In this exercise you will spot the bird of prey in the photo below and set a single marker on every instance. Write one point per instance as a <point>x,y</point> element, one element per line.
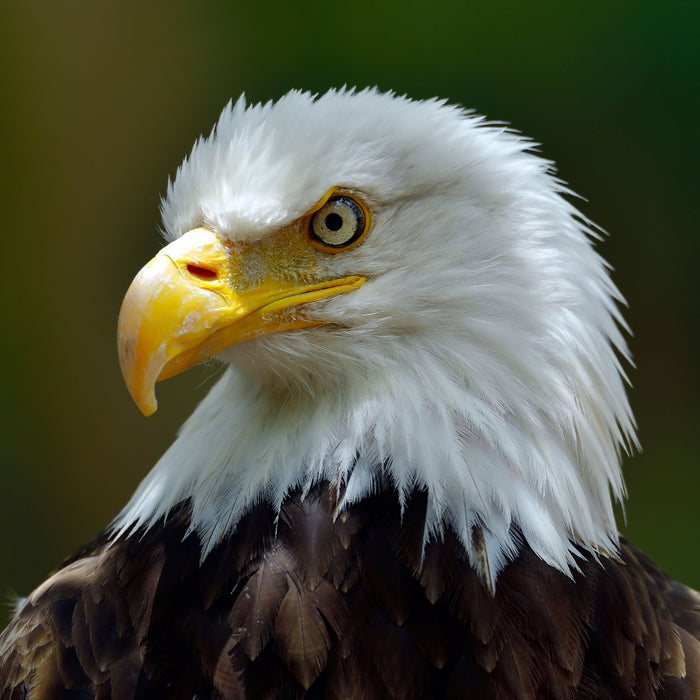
<point>402,485</point>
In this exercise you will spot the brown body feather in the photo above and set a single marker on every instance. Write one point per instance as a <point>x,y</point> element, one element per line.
<point>306,605</point>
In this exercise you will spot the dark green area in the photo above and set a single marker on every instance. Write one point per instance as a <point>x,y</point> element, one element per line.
<point>100,102</point>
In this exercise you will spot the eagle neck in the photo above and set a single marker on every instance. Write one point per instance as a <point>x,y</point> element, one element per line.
<point>486,475</point>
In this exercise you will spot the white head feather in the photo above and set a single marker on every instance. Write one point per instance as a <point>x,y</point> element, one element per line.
<point>478,362</point>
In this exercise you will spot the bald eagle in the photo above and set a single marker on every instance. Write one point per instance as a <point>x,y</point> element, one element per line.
<point>402,485</point>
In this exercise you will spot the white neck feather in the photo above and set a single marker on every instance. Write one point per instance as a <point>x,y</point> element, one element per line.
<point>514,471</point>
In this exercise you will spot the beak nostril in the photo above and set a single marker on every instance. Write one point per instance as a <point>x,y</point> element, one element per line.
<point>203,272</point>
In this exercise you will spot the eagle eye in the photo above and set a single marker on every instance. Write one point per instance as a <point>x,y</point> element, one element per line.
<point>338,224</point>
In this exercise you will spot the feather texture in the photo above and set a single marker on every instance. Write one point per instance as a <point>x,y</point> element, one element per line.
<point>137,617</point>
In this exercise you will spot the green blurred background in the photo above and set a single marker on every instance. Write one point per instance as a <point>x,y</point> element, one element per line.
<point>101,101</point>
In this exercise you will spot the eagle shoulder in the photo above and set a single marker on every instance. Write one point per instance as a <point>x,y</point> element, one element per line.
<point>308,603</point>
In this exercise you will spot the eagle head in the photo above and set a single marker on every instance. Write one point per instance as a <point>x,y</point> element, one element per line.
<point>405,298</point>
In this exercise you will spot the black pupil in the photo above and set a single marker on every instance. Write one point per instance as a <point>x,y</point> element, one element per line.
<point>334,221</point>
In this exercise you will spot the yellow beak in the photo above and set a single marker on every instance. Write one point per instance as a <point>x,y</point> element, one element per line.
<point>187,304</point>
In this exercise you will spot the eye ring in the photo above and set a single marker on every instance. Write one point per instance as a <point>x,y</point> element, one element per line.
<point>338,224</point>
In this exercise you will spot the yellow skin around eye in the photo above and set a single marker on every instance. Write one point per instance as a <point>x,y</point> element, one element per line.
<point>203,293</point>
